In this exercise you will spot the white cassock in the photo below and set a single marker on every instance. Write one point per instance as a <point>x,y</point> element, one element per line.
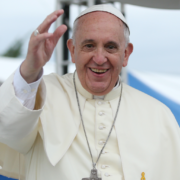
<point>145,138</point>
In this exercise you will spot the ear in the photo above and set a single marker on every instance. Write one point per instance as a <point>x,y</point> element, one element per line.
<point>71,49</point>
<point>128,51</point>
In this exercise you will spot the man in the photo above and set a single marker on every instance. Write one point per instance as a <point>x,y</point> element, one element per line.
<point>63,128</point>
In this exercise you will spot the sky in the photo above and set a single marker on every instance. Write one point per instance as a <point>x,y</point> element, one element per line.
<point>154,32</point>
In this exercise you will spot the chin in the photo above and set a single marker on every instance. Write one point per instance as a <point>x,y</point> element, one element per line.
<point>98,88</point>
<point>99,91</point>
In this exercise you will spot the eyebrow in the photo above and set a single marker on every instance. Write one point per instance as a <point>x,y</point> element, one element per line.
<point>92,41</point>
<point>113,42</point>
<point>87,41</point>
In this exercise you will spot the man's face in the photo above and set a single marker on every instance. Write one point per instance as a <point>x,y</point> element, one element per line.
<point>99,51</point>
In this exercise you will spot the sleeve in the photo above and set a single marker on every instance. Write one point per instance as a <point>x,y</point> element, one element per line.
<point>18,124</point>
<point>26,93</point>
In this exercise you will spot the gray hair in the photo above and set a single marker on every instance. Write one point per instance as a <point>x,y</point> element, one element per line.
<point>126,32</point>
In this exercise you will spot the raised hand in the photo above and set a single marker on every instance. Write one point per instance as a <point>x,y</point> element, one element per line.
<point>41,47</point>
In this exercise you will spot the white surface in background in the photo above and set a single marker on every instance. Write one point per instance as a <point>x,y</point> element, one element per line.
<point>166,84</point>
<point>9,65</point>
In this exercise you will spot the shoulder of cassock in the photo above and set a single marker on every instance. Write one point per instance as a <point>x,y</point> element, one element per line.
<point>140,118</point>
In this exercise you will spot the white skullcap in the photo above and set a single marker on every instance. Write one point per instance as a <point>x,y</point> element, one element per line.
<point>104,8</point>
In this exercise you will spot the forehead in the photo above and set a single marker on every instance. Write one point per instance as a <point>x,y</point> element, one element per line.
<point>99,17</point>
<point>99,25</point>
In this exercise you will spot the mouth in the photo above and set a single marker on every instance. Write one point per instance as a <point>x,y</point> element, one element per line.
<point>98,71</point>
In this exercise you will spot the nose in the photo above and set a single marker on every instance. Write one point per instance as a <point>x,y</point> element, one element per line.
<point>99,56</point>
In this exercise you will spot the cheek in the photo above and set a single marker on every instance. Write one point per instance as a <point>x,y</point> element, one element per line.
<point>120,61</point>
<point>117,65</point>
<point>82,60</point>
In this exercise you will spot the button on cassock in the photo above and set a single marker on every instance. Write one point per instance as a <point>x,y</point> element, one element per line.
<point>103,166</point>
<point>99,102</point>
<point>101,142</point>
<point>101,127</point>
<point>106,174</point>
<point>105,152</point>
<point>101,113</point>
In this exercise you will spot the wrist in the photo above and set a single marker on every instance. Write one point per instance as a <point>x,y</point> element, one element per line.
<point>29,73</point>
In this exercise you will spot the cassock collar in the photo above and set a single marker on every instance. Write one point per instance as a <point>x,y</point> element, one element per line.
<point>114,93</point>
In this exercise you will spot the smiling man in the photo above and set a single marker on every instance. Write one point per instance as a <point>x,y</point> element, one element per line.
<point>99,50</point>
<point>87,125</point>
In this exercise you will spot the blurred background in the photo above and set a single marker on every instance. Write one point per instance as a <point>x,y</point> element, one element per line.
<point>154,66</point>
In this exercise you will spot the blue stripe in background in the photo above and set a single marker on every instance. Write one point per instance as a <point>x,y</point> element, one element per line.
<point>137,84</point>
<point>5,178</point>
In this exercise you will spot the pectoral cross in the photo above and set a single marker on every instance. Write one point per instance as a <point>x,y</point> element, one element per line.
<point>143,176</point>
<point>93,175</point>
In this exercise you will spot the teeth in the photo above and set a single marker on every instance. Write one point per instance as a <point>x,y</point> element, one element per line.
<point>99,70</point>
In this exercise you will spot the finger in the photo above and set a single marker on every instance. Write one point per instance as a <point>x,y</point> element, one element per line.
<point>51,42</point>
<point>41,37</point>
<point>44,27</point>
<point>58,33</point>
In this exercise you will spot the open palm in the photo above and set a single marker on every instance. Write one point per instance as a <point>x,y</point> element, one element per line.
<point>41,47</point>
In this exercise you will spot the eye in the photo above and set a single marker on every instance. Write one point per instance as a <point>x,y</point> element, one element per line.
<point>89,46</point>
<point>110,46</point>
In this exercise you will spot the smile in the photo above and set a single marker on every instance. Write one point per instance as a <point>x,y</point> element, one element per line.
<point>98,71</point>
